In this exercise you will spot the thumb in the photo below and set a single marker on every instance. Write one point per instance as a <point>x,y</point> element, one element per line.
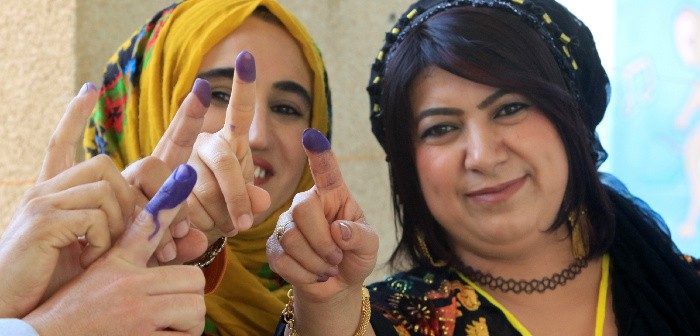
<point>141,239</point>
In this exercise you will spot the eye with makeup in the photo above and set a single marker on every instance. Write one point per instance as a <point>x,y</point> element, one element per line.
<point>220,97</point>
<point>438,130</point>
<point>287,109</point>
<point>510,109</point>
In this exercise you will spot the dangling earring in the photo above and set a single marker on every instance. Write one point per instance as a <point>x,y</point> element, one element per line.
<point>579,224</point>
<point>425,253</point>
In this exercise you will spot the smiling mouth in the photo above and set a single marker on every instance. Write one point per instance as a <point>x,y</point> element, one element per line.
<point>498,193</point>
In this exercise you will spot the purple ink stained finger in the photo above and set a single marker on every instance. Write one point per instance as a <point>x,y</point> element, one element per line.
<point>173,192</point>
<point>202,89</point>
<point>245,66</point>
<point>315,141</point>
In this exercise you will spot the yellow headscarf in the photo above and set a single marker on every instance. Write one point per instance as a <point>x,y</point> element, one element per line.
<point>145,83</point>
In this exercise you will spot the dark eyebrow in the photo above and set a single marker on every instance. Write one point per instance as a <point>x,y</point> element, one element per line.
<point>217,73</point>
<point>295,88</point>
<point>448,111</point>
<point>492,98</point>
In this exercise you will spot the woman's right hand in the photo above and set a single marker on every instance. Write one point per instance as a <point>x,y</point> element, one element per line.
<point>225,199</point>
<point>324,247</point>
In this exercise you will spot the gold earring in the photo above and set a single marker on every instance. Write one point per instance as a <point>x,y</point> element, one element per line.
<point>425,253</point>
<point>579,233</point>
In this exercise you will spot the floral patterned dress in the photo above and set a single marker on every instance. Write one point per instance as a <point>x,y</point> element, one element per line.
<point>434,302</point>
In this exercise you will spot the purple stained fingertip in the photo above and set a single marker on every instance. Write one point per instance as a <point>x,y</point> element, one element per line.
<point>202,90</point>
<point>315,141</point>
<point>173,192</point>
<point>245,66</point>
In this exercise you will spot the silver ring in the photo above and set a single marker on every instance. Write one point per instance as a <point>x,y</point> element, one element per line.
<point>280,229</point>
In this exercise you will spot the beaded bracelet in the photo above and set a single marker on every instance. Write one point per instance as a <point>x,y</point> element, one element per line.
<point>288,314</point>
<point>209,255</point>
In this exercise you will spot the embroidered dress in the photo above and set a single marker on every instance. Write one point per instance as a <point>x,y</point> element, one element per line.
<point>443,301</point>
<point>434,302</point>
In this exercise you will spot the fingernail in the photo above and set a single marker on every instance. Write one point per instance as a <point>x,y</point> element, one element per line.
<point>175,190</point>
<point>322,278</point>
<point>87,87</point>
<point>315,141</point>
<point>202,90</point>
<point>168,252</point>
<point>335,257</point>
<point>245,222</point>
<point>184,173</point>
<point>181,229</point>
<point>345,232</point>
<point>245,66</point>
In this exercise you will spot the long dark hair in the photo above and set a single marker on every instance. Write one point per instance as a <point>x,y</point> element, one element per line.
<point>497,49</point>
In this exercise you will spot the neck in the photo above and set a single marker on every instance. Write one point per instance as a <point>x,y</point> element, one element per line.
<point>534,257</point>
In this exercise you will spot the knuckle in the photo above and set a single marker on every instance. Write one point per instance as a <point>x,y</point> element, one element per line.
<point>151,163</point>
<point>221,160</point>
<point>32,193</point>
<point>103,188</point>
<point>292,238</point>
<point>37,205</point>
<point>102,161</point>
<point>54,142</point>
<point>197,278</point>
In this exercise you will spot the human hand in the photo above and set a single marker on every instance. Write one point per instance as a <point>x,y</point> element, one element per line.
<point>323,245</point>
<point>119,295</point>
<point>39,250</point>
<point>225,199</point>
<point>180,244</point>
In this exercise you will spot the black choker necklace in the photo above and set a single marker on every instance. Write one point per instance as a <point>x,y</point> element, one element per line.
<point>527,286</point>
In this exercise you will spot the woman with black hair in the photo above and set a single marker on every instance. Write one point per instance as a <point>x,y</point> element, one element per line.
<point>487,112</point>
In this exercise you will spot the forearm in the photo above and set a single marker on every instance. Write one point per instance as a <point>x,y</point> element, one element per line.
<point>340,316</point>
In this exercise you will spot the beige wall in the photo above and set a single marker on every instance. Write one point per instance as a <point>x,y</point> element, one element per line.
<point>49,48</point>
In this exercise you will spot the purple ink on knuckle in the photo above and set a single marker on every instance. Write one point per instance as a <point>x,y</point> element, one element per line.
<point>245,66</point>
<point>173,192</point>
<point>202,90</point>
<point>315,141</point>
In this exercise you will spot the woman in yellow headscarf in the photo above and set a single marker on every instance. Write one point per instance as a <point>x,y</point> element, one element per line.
<point>147,80</point>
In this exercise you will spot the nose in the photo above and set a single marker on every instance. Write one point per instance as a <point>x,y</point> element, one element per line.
<point>485,149</point>
<point>258,134</point>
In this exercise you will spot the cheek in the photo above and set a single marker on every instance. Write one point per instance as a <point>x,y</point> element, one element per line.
<point>434,173</point>
<point>290,148</point>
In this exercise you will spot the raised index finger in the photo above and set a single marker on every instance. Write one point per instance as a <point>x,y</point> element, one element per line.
<point>175,147</point>
<point>241,106</point>
<point>322,163</point>
<point>60,153</point>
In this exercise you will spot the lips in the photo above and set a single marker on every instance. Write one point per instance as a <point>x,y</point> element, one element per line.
<point>497,193</point>
<point>262,172</point>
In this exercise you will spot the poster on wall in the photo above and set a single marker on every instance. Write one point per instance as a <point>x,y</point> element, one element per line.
<point>655,119</point>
